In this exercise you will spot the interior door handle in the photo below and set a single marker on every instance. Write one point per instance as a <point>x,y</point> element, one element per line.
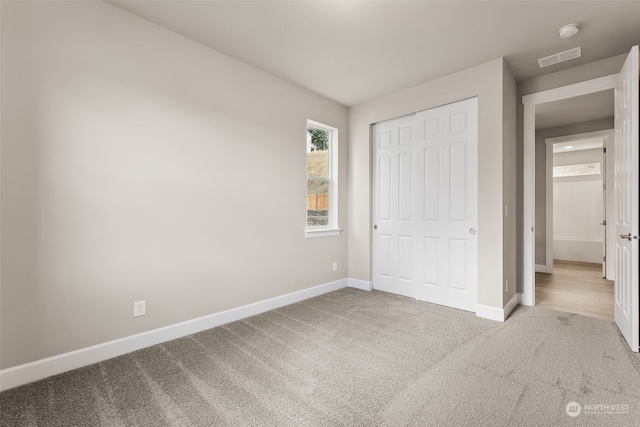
<point>626,236</point>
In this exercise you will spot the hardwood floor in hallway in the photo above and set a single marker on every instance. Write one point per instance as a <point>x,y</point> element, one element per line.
<point>576,287</point>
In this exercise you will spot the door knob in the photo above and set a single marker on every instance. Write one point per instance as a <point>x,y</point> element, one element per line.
<point>626,236</point>
<point>375,227</point>
<point>472,230</point>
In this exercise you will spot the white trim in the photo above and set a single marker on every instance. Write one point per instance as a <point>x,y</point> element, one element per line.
<point>498,314</point>
<point>540,268</point>
<point>360,284</point>
<point>610,228</point>
<point>570,91</point>
<point>491,313</point>
<point>528,166</point>
<point>607,133</point>
<point>40,369</point>
<point>513,303</point>
<point>323,232</point>
<point>528,203</point>
<point>548,207</point>
<point>525,300</point>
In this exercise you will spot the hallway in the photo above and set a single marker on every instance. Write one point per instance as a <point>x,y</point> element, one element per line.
<point>576,287</point>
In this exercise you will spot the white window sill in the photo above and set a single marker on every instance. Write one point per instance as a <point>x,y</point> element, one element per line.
<point>322,232</point>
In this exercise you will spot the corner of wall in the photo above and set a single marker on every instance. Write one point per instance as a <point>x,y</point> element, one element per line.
<point>509,188</point>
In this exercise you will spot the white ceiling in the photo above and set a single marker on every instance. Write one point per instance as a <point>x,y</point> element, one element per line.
<point>583,144</point>
<point>354,51</point>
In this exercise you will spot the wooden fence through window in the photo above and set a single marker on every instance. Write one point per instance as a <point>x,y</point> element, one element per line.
<point>317,202</point>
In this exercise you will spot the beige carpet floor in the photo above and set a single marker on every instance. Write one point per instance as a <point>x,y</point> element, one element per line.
<point>355,358</point>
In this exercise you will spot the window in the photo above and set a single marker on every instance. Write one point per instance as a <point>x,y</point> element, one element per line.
<point>576,170</point>
<point>322,188</point>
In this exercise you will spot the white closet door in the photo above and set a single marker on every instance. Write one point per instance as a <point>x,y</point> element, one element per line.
<point>394,264</point>
<point>447,226</point>
<point>425,205</point>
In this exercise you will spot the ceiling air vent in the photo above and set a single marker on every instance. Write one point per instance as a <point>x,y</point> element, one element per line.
<point>560,57</point>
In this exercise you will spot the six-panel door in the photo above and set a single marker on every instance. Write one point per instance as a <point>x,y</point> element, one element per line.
<point>425,205</point>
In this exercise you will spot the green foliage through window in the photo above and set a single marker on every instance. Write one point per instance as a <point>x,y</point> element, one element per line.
<point>319,138</point>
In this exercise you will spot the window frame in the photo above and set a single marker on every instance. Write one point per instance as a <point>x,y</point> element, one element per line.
<point>331,229</point>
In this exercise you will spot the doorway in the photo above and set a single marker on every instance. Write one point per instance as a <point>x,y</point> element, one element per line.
<point>625,188</point>
<point>534,182</point>
<point>572,204</point>
<point>579,223</point>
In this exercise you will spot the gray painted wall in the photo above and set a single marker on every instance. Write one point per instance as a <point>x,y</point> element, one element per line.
<point>509,166</point>
<point>139,165</point>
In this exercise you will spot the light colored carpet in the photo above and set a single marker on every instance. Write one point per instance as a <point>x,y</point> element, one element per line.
<point>354,358</point>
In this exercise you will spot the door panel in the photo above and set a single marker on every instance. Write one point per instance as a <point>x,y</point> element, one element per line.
<point>405,257</point>
<point>457,254</point>
<point>405,185</point>
<point>431,261</point>
<point>425,205</point>
<point>431,183</point>
<point>458,181</point>
<point>626,200</point>
<point>384,255</point>
<point>394,206</point>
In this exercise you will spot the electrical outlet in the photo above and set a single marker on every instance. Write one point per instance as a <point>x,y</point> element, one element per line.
<point>139,309</point>
<point>335,266</point>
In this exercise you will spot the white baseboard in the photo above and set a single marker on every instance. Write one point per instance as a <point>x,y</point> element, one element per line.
<point>498,314</point>
<point>360,284</point>
<point>491,313</point>
<point>40,369</point>
<point>525,299</point>
<point>513,303</point>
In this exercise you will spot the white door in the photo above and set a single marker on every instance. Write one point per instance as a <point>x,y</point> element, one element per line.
<point>425,205</point>
<point>447,226</point>
<point>394,256</point>
<point>604,208</point>
<point>626,200</point>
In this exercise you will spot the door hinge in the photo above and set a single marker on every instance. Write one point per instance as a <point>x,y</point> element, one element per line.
<point>604,222</point>
<point>604,149</point>
<point>604,259</point>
